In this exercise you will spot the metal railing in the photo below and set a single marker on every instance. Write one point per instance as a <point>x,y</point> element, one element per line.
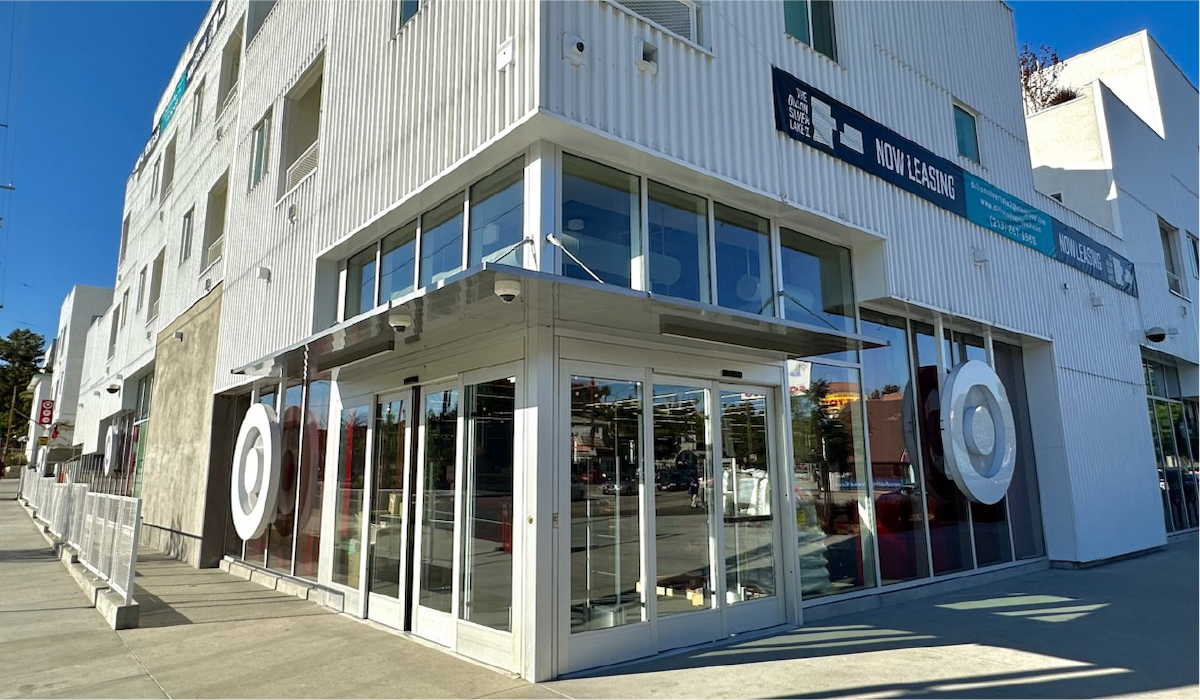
<point>302,166</point>
<point>103,528</point>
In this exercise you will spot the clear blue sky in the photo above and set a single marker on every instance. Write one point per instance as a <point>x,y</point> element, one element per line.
<point>79,82</point>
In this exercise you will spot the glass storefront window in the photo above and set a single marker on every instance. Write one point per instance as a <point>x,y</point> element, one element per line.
<point>441,241</point>
<point>348,497</point>
<point>497,217</point>
<point>360,282</point>
<point>747,485</point>
<point>817,284</point>
<point>486,591</point>
<point>399,262</point>
<point>387,498</point>
<point>312,479</point>
<point>256,549</point>
<point>1024,502</point>
<point>989,521</point>
<point>600,220</point>
<point>1184,462</point>
<point>949,520</point>
<point>280,533</point>
<point>437,502</point>
<point>233,543</point>
<point>683,499</point>
<point>830,479</point>
<point>898,496</point>
<point>606,576</point>
<point>1172,465</point>
<point>743,264</point>
<point>678,243</point>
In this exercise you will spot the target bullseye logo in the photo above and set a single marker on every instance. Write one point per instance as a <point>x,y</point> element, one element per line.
<point>254,483</point>
<point>112,443</point>
<point>979,437</point>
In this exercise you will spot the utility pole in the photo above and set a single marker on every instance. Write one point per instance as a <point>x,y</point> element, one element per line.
<point>8,432</point>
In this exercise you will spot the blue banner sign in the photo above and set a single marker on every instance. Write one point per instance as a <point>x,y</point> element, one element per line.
<point>169,110</point>
<point>1086,255</point>
<point>813,118</point>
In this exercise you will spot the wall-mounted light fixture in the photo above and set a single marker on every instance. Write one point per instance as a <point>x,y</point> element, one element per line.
<point>177,335</point>
<point>262,273</point>
<point>1097,301</point>
<point>979,256</point>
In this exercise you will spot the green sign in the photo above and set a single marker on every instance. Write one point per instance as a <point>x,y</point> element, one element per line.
<point>996,210</point>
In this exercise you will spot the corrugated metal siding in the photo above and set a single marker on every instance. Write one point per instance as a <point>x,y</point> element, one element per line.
<point>1108,442</point>
<point>396,112</point>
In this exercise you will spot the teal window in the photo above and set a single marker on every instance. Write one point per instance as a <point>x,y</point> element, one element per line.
<point>404,10</point>
<point>260,141</point>
<point>964,130</point>
<point>811,21</point>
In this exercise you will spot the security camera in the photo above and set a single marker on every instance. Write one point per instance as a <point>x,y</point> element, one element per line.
<point>400,319</point>
<point>1156,334</point>
<point>508,290</point>
<point>113,388</point>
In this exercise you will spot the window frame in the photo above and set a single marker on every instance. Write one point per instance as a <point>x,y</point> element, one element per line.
<point>198,105</point>
<point>396,12</point>
<point>791,11</point>
<point>260,150</point>
<point>1194,242</point>
<point>186,234</point>
<point>1169,236</point>
<point>960,108</point>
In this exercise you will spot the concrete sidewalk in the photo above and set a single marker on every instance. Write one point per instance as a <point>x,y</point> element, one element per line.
<point>1124,629</point>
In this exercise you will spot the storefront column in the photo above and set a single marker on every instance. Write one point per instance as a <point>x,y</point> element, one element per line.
<point>1049,446</point>
<point>539,519</point>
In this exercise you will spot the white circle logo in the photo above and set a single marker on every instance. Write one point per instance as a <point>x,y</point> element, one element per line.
<point>112,443</point>
<point>254,483</point>
<point>979,437</point>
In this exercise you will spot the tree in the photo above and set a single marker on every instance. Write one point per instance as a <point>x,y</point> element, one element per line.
<point>1040,71</point>
<point>20,355</point>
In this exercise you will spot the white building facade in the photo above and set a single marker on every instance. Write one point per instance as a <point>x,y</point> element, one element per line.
<point>597,329</point>
<point>1123,154</point>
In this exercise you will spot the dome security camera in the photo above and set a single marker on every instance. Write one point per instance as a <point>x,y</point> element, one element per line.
<point>113,388</point>
<point>1156,334</point>
<point>508,290</point>
<point>400,319</point>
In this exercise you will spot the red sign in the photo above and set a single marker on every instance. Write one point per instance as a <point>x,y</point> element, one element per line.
<point>46,412</point>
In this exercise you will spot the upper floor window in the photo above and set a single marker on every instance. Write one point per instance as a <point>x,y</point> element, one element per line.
<point>675,16</point>
<point>965,133</point>
<point>483,224</point>
<point>811,21</point>
<point>124,307</point>
<point>302,127</point>
<point>231,70</point>
<point>154,181</point>
<point>1169,236</point>
<point>743,263</point>
<point>402,11</point>
<point>197,106</point>
<point>141,287</point>
<point>497,222</point>
<point>156,278</point>
<point>360,281</point>
<point>1195,244</point>
<point>124,239</point>
<point>168,171</point>
<point>441,241</point>
<point>260,149</point>
<point>817,283</point>
<point>600,214</point>
<point>678,223</point>
<point>185,238</point>
<point>117,319</point>
<point>214,222</point>
<point>256,14</point>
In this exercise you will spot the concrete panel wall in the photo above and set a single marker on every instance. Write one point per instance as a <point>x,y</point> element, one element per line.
<point>175,469</point>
